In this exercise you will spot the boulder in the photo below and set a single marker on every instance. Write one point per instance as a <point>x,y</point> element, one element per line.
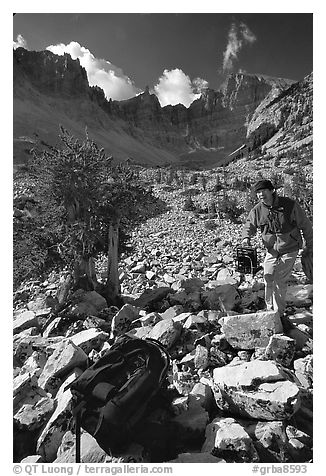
<point>25,346</point>
<point>302,339</point>
<point>172,312</point>
<point>197,322</point>
<point>23,385</point>
<point>35,409</point>
<point>178,298</point>
<point>201,394</point>
<point>88,303</point>
<point>201,359</point>
<point>150,319</point>
<point>32,459</point>
<point>192,285</point>
<point>151,296</point>
<point>299,295</point>
<point>90,451</point>
<point>66,356</point>
<point>221,297</point>
<point>122,320</point>
<point>299,445</point>
<point>35,363</point>
<point>184,381</point>
<point>303,369</point>
<point>257,389</point>
<point>196,458</point>
<point>281,349</point>
<point>270,440</point>
<point>248,331</point>
<point>52,329</point>
<point>24,320</point>
<point>90,339</point>
<point>167,332</point>
<point>191,423</point>
<point>51,436</point>
<point>226,438</point>
<point>140,332</point>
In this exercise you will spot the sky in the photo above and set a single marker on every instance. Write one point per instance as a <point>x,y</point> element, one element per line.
<point>175,54</point>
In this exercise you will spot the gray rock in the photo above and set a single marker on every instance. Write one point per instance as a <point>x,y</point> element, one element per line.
<point>248,331</point>
<point>34,411</point>
<point>167,332</point>
<point>35,363</point>
<point>88,303</point>
<point>122,320</point>
<point>192,422</point>
<point>304,371</point>
<point>151,296</point>
<point>150,319</point>
<point>24,320</point>
<point>25,346</point>
<point>23,385</point>
<point>51,330</point>
<point>299,295</point>
<point>140,332</point>
<point>51,436</point>
<point>184,381</point>
<point>225,437</point>
<point>32,459</point>
<point>172,312</point>
<point>281,349</point>
<point>302,339</point>
<point>256,389</point>
<point>90,451</point>
<point>221,297</point>
<point>270,440</point>
<point>192,285</point>
<point>90,339</point>
<point>201,359</point>
<point>201,394</point>
<point>196,458</point>
<point>66,356</point>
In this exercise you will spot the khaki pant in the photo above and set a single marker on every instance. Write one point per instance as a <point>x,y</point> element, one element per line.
<point>277,271</point>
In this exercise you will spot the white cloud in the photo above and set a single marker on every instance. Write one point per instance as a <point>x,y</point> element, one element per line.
<point>238,36</point>
<point>175,87</point>
<point>102,73</point>
<point>21,42</point>
<point>247,34</point>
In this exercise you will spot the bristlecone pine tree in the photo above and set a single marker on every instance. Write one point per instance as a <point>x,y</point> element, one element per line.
<point>93,198</point>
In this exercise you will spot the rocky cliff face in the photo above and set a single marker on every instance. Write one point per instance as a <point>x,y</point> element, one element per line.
<point>248,109</point>
<point>284,116</point>
<point>50,73</point>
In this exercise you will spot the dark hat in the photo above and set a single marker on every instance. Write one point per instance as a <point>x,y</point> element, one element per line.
<point>263,184</point>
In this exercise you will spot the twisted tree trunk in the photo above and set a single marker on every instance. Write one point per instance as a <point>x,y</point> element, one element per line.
<point>112,284</point>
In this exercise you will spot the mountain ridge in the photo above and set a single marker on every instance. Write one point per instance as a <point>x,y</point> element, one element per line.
<point>55,88</point>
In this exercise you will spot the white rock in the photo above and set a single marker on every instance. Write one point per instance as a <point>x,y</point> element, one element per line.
<point>66,356</point>
<point>51,436</point>
<point>248,331</point>
<point>32,459</point>
<point>166,332</point>
<point>256,389</point>
<point>196,458</point>
<point>24,321</point>
<point>226,434</point>
<point>34,410</point>
<point>281,349</point>
<point>123,318</point>
<point>90,339</point>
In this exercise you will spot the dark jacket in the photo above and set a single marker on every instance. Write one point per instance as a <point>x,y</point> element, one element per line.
<point>280,225</point>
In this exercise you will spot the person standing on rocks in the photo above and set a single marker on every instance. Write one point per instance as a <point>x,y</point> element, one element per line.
<point>281,221</point>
